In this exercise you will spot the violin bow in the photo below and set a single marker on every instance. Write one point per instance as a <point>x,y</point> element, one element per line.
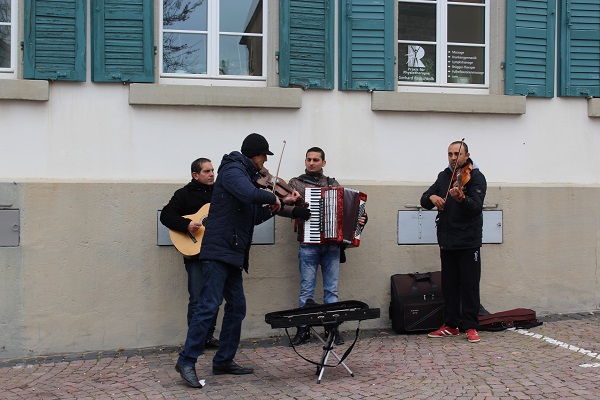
<point>454,170</point>
<point>277,172</point>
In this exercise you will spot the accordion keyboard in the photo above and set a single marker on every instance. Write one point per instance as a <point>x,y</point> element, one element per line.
<point>312,226</point>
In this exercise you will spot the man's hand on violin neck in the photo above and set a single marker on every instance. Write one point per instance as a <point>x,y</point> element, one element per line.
<point>292,197</point>
<point>457,194</point>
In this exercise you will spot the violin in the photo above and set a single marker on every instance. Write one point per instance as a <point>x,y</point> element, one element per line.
<point>463,175</point>
<point>281,189</point>
<point>460,175</point>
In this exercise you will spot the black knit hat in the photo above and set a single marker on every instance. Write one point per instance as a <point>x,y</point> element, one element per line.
<point>255,144</point>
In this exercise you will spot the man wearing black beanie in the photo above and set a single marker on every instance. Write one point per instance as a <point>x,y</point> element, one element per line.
<point>236,206</point>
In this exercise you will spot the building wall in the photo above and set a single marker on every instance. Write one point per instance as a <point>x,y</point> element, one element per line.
<point>88,165</point>
<point>88,274</point>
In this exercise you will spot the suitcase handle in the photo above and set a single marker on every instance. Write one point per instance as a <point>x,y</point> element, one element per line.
<point>421,277</point>
<point>418,277</point>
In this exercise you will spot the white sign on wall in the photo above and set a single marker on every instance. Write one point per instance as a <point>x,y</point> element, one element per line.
<point>418,226</point>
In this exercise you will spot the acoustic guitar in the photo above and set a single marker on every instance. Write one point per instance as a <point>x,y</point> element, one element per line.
<point>187,243</point>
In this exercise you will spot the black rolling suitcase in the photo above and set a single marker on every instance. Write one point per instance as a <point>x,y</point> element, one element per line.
<point>417,302</point>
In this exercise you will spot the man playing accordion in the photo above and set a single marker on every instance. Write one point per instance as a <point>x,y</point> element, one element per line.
<point>310,255</point>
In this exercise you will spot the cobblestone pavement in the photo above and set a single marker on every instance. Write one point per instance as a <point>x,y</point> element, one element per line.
<point>558,360</point>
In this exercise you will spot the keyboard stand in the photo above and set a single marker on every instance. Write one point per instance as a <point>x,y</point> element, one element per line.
<point>327,350</point>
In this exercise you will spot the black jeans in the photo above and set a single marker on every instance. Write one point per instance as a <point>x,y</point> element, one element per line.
<point>461,272</point>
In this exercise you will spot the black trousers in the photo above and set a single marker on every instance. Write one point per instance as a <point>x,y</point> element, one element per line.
<point>461,272</point>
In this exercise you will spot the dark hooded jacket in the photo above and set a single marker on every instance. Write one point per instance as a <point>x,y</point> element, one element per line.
<point>236,206</point>
<point>459,225</point>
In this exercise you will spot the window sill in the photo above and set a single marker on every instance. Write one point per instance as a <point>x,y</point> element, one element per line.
<point>21,89</point>
<point>214,96</point>
<point>447,103</point>
<point>594,107</point>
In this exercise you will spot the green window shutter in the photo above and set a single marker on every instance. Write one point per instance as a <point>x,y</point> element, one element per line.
<point>579,61</point>
<point>54,40</point>
<point>122,40</point>
<point>530,28</point>
<point>306,43</point>
<point>366,57</point>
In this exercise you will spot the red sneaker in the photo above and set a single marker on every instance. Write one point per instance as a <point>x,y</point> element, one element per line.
<point>445,330</point>
<point>473,336</point>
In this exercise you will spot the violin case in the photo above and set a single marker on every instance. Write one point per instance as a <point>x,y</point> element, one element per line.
<point>417,302</point>
<point>518,318</point>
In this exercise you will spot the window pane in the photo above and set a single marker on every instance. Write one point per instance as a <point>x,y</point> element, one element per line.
<point>466,24</point>
<point>416,21</point>
<point>242,16</point>
<point>184,53</point>
<point>4,46</point>
<point>185,15</point>
<point>4,10</point>
<point>467,1</point>
<point>417,62</point>
<point>466,65</point>
<point>240,55</point>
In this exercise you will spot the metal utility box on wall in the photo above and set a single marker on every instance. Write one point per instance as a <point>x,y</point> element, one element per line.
<point>418,226</point>
<point>263,233</point>
<point>9,227</point>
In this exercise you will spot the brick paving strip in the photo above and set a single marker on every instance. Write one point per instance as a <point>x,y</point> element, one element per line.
<point>547,362</point>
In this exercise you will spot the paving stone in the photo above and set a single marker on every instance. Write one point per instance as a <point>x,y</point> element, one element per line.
<point>557,360</point>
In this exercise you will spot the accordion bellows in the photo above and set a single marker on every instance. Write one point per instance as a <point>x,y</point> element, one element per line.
<point>334,215</point>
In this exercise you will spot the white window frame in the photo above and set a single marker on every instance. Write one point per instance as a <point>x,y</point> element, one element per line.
<point>441,51</point>
<point>212,77</point>
<point>10,72</point>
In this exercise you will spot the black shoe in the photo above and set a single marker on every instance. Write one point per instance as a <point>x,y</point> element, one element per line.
<point>302,336</point>
<point>337,340</point>
<point>231,369</point>
<point>188,374</point>
<point>211,343</point>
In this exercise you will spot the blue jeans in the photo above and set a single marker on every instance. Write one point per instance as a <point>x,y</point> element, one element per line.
<point>194,271</point>
<point>220,281</point>
<point>310,256</point>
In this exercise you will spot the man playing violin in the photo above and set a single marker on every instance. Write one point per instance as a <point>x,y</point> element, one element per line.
<point>186,201</point>
<point>458,194</point>
<point>328,255</point>
<point>236,206</point>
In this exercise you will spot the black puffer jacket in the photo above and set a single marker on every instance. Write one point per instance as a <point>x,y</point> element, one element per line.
<point>236,206</point>
<point>460,225</point>
<point>185,201</point>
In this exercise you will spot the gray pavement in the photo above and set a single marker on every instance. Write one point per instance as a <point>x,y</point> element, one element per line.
<point>558,360</point>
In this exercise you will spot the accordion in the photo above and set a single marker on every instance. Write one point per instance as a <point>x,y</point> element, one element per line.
<point>334,213</point>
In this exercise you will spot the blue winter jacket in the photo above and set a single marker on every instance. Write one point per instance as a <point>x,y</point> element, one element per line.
<point>236,206</point>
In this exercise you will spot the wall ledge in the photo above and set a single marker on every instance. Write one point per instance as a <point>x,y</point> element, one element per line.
<point>24,89</point>
<point>214,96</point>
<point>447,103</point>
<point>594,107</point>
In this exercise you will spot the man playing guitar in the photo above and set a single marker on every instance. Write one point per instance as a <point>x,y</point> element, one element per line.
<point>186,201</point>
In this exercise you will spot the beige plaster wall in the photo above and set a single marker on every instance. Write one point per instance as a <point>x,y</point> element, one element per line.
<point>89,276</point>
